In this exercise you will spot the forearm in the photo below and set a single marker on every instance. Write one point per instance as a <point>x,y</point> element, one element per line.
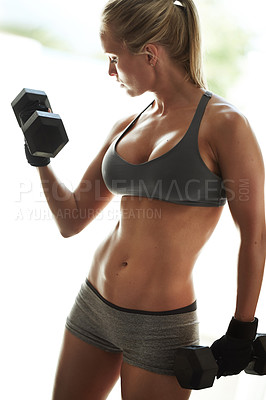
<point>61,201</point>
<point>250,274</point>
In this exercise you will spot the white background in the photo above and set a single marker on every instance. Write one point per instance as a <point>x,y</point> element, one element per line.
<point>40,271</point>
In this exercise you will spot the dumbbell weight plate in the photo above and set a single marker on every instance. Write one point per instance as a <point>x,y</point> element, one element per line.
<point>27,96</point>
<point>258,365</point>
<point>195,367</point>
<point>45,134</point>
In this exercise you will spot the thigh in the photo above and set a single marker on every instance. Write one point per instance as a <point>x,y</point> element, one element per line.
<point>139,384</point>
<point>84,371</point>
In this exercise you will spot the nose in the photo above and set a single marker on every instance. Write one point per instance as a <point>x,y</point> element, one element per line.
<point>112,69</point>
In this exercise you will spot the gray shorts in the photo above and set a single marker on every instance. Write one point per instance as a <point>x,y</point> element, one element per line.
<point>147,339</point>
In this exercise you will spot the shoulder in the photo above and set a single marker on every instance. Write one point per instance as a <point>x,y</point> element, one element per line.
<point>118,128</point>
<point>226,124</point>
<point>233,141</point>
<point>225,116</point>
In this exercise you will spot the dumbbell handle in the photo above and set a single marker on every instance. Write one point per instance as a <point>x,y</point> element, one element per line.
<point>257,364</point>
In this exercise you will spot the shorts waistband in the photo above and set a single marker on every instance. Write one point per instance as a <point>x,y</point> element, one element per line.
<point>190,308</point>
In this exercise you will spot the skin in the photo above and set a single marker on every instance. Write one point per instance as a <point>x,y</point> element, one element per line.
<point>144,257</point>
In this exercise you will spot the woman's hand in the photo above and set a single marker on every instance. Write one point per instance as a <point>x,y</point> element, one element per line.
<point>233,351</point>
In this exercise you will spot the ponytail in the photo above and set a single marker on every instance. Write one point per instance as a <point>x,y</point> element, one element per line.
<point>165,22</point>
<point>194,66</point>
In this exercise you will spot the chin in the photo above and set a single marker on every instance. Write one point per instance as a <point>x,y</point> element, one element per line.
<point>133,92</point>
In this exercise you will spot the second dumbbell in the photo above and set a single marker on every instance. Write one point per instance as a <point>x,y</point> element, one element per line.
<point>196,368</point>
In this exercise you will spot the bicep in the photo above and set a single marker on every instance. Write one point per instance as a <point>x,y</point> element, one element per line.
<point>242,169</point>
<point>92,195</point>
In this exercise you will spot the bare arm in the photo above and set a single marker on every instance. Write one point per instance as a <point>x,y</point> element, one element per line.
<point>73,211</point>
<point>242,169</point>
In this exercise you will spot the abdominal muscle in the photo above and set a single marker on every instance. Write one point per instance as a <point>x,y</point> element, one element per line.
<point>146,262</point>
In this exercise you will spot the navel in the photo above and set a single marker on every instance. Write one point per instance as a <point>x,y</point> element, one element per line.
<point>124,264</point>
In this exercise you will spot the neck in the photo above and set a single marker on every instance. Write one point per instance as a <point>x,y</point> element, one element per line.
<point>172,89</point>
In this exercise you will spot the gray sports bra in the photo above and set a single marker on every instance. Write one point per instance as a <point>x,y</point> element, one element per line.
<point>179,176</point>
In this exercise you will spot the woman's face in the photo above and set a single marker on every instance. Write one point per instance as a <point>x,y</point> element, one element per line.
<point>131,71</point>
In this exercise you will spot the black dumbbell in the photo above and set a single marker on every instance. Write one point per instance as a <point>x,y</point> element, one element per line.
<point>44,131</point>
<point>196,368</point>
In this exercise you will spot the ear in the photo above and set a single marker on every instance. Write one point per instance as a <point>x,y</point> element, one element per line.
<point>151,51</point>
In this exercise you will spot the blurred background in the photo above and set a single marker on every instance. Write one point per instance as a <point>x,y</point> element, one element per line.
<point>54,46</point>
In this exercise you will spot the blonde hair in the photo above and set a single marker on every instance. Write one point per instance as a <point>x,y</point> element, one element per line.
<point>174,26</point>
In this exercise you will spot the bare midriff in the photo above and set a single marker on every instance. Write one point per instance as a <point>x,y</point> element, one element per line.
<point>146,262</point>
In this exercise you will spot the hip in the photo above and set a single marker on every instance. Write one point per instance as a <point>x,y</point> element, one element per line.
<point>147,339</point>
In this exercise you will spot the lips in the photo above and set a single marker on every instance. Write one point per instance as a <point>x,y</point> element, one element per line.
<point>121,83</point>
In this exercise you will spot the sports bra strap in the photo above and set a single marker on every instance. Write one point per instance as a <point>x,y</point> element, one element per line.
<point>194,126</point>
<point>132,123</point>
<point>196,121</point>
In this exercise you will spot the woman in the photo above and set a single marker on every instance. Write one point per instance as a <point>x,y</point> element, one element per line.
<point>174,165</point>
